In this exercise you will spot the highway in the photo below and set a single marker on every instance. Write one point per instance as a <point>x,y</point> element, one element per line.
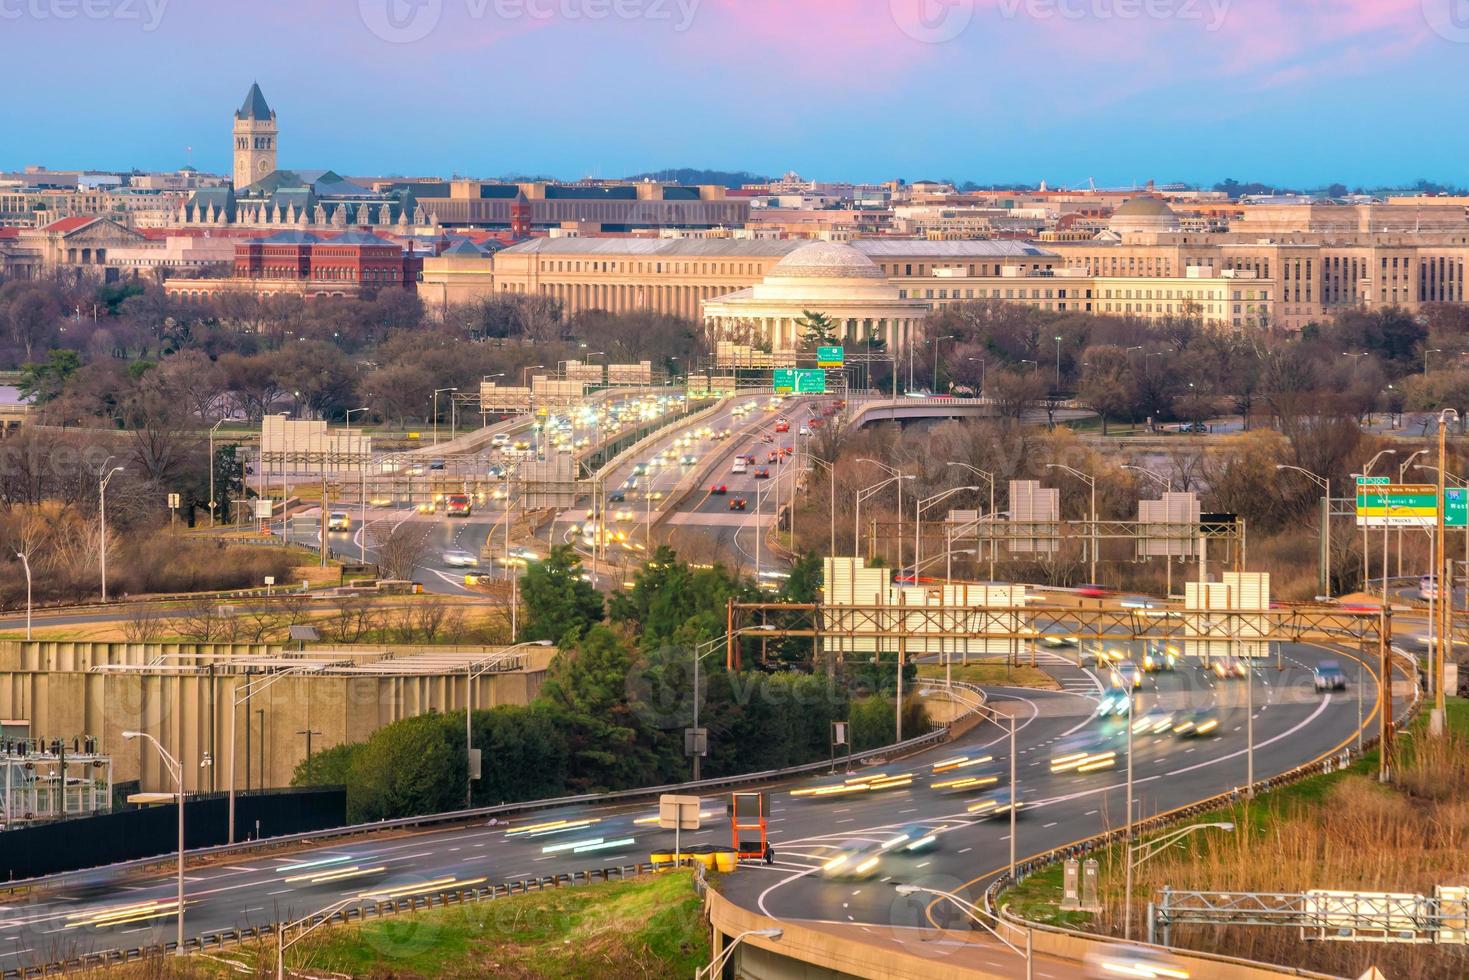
<point>1293,724</point>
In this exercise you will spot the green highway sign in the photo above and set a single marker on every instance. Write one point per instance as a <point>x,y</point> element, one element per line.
<point>1456,507</point>
<point>1381,503</point>
<point>831,357</point>
<point>1376,481</point>
<point>799,381</point>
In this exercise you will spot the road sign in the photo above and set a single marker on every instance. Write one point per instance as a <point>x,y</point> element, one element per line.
<point>799,381</point>
<point>696,741</point>
<point>1456,507</point>
<point>1376,481</point>
<point>173,501</point>
<point>1397,505</point>
<point>831,357</point>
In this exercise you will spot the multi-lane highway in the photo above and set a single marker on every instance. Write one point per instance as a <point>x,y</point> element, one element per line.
<point>1293,723</point>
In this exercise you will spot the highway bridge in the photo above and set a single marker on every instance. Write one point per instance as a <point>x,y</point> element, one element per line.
<point>1292,724</point>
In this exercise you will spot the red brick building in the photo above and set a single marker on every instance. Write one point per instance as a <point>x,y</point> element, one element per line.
<point>303,263</point>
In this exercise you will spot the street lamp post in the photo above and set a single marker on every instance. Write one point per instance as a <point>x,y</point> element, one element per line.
<point>176,770</point>
<point>1167,486</point>
<point>1366,472</point>
<point>1151,849</point>
<point>1091,482</point>
<point>1325,484</point>
<point>977,916</point>
<point>1436,724</point>
<point>982,365</point>
<point>102,522</point>
<point>1058,363</point>
<point>989,478</point>
<point>936,342</point>
<point>896,474</point>
<point>437,392</point>
<point>472,673</point>
<point>25,559</point>
<point>1402,477</point>
<point>832,481</point>
<point>1426,352</point>
<point>212,502</point>
<point>716,965</point>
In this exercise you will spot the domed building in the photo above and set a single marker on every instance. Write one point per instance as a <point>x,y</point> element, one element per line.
<point>1144,213</point>
<point>822,277</point>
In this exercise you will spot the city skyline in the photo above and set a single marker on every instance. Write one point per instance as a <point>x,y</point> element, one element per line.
<point>489,87</point>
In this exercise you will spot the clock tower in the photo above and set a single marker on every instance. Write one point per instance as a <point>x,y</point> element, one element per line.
<point>255,135</point>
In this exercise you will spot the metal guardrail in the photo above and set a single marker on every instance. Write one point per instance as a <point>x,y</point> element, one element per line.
<point>366,909</point>
<point>427,821</point>
<point>218,940</point>
<point>1330,761</point>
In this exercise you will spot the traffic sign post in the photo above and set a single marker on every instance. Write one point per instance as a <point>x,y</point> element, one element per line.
<point>1382,503</point>
<point>831,357</point>
<point>799,381</point>
<point>678,813</point>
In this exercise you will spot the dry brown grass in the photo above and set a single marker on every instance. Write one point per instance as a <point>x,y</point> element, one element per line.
<point>1355,836</point>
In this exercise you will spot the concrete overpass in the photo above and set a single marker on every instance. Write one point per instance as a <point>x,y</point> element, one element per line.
<point>867,411</point>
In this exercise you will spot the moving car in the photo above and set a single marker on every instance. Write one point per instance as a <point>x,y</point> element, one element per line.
<point>995,803</point>
<point>460,559</point>
<point>338,520</point>
<point>1328,676</point>
<point>459,505</point>
<point>1229,668</point>
<point>1164,658</point>
<point>854,862</point>
<point>1126,675</point>
<point>782,425</point>
<point>763,473</point>
<point>617,497</point>
<point>1083,755</point>
<point>427,507</point>
<point>1197,723</point>
<point>1134,963</point>
<point>1114,703</point>
<point>719,490</point>
<point>737,503</point>
<point>805,430</point>
<point>1428,587</point>
<point>740,466</point>
<point>500,439</point>
<point>1091,591</point>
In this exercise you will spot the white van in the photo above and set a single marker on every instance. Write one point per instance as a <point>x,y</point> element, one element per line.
<point>740,466</point>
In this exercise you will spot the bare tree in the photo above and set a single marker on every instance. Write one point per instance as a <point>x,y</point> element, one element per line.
<point>400,548</point>
<point>143,624</point>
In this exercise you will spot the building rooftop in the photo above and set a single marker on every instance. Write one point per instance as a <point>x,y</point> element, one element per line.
<point>254,106</point>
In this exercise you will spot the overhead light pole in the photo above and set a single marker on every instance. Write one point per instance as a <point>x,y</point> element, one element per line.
<point>716,965</point>
<point>102,521</point>
<point>1324,564</point>
<point>1437,720</point>
<point>936,342</point>
<point>472,673</point>
<point>1366,472</point>
<point>176,770</point>
<point>976,915</point>
<point>1091,482</point>
<point>1150,849</point>
<point>989,479</point>
<point>212,502</point>
<point>437,392</point>
<point>25,559</point>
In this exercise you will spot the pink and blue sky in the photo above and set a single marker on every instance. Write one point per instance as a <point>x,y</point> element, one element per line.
<point>1292,91</point>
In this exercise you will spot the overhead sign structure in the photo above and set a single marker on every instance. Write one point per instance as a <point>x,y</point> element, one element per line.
<point>799,381</point>
<point>1381,503</point>
<point>831,357</point>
